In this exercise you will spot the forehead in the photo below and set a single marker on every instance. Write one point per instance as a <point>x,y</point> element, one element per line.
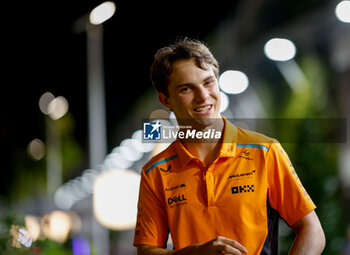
<point>186,71</point>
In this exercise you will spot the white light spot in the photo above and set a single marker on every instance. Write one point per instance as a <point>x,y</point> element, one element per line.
<point>224,102</point>
<point>58,107</point>
<point>44,102</point>
<point>129,149</point>
<point>57,226</point>
<point>116,160</point>
<point>36,149</point>
<point>87,180</point>
<point>102,13</point>
<point>342,11</point>
<point>115,198</point>
<point>142,146</point>
<point>280,49</point>
<point>233,82</point>
<point>33,225</point>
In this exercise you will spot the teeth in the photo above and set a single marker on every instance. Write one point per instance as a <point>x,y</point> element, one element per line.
<point>203,109</point>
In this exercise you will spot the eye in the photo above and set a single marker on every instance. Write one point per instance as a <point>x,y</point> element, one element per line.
<point>184,89</point>
<point>209,82</point>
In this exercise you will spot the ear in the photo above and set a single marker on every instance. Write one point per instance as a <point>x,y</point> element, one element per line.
<point>164,100</point>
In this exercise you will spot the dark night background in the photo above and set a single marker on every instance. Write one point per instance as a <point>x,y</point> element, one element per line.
<point>41,53</point>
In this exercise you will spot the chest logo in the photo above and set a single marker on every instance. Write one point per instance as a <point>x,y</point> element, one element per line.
<point>182,185</point>
<point>177,200</point>
<point>245,155</point>
<point>242,175</point>
<point>166,170</point>
<point>242,189</point>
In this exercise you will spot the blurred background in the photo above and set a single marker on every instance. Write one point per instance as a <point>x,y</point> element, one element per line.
<point>75,88</point>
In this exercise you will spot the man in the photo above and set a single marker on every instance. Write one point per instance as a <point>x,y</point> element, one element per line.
<point>219,196</point>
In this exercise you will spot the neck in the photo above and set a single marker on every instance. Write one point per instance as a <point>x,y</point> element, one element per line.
<point>206,149</point>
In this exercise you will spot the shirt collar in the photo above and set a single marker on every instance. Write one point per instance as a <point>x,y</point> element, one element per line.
<point>227,149</point>
<point>184,155</point>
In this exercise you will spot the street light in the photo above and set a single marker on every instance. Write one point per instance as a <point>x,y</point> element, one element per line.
<point>102,13</point>
<point>92,25</point>
<point>96,91</point>
<point>283,51</point>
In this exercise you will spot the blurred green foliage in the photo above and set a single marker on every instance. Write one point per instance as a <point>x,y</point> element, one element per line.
<point>29,178</point>
<point>315,162</point>
<point>39,247</point>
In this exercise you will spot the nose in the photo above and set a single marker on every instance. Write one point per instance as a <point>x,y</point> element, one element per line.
<point>202,94</point>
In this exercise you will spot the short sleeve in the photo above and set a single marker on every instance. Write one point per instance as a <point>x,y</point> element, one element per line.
<point>151,225</point>
<point>285,191</point>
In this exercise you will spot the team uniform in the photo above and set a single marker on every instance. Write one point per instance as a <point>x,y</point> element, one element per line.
<point>240,195</point>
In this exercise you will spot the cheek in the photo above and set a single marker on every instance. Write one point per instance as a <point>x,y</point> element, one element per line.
<point>215,92</point>
<point>184,100</point>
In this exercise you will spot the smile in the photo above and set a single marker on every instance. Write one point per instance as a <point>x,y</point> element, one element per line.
<point>203,109</point>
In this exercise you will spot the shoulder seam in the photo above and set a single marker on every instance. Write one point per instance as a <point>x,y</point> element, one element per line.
<point>257,146</point>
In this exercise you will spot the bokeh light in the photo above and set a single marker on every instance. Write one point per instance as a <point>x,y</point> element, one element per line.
<point>33,225</point>
<point>224,102</point>
<point>233,82</point>
<point>57,108</point>
<point>115,198</point>
<point>44,102</point>
<point>80,246</point>
<point>56,225</point>
<point>159,148</point>
<point>342,11</point>
<point>102,13</point>
<point>159,114</point>
<point>36,149</point>
<point>280,49</point>
<point>143,147</point>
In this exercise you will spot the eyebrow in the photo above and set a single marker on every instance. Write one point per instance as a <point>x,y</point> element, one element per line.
<point>188,83</point>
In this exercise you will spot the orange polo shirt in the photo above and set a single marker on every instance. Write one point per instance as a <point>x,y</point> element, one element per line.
<point>233,197</point>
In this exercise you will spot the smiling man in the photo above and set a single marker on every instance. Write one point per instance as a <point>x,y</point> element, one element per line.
<point>217,196</point>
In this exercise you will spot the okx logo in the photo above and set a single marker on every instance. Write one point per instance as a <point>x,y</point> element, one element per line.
<point>241,189</point>
<point>152,130</point>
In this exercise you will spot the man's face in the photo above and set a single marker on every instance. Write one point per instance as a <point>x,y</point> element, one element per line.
<point>193,94</point>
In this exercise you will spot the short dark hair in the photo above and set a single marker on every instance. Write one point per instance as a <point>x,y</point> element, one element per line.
<point>182,49</point>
